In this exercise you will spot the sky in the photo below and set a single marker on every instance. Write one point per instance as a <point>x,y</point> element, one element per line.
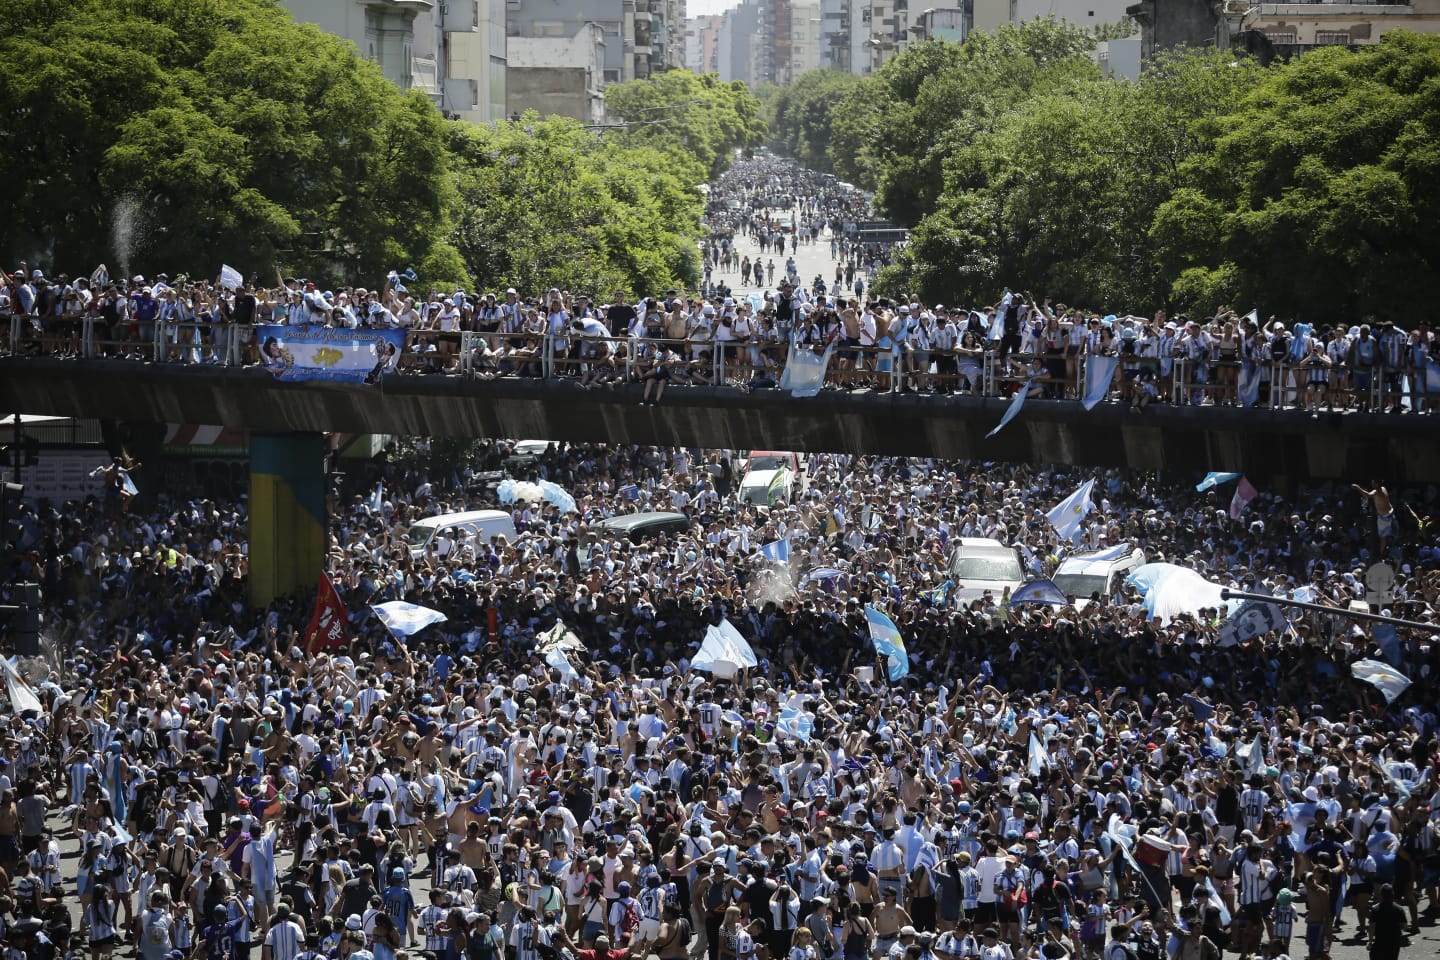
<point>704,8</point>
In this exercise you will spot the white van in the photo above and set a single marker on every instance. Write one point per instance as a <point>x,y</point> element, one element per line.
<point>1085,575</point>
<point>479,525</point>
<point>767,487</point>
<point>978,564</point>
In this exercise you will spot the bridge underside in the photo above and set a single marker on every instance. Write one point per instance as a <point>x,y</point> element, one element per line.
<point>1271,447</point>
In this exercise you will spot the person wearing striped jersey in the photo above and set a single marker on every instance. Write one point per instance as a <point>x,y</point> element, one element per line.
<point>156,928</point>
<point>526,934</point>
<point>432,919</point>
<point>1255,877</point>
<point>1253,801</point>
<point>285,939</point>
<point>652,909</point>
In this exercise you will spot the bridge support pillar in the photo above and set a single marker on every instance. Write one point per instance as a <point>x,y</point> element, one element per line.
<point>287,514</point>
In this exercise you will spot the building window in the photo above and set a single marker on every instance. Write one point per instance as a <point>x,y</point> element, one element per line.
<point>1332,37</point>
<point>1282,39</point>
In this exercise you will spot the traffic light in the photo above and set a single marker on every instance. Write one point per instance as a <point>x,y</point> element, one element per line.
<point>25,619</point>
<point>11,494</point>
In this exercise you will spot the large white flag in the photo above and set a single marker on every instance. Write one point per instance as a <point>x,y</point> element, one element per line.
<point>230,278</point>
<point>1068,513</point>
<point>405,619</point>
<point>22,698</point>
<point>804,372</point>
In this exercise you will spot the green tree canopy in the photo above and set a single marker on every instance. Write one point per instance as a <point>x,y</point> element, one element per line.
<point>544,203</point>
<point>799,116</point>
<point>234,134</point>
<point>685,113</point>
<point>893,131</point>
<point>1320,190</point>
<point>1059,195</point>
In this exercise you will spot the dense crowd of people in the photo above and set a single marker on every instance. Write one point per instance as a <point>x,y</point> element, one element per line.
<point>1047,781</point>
<point>741,335</point>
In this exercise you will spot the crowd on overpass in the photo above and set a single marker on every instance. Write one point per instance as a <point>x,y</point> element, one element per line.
<point>743,334</point>
<point>1070,780</point>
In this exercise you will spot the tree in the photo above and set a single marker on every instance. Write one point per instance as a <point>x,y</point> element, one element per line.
<point>684,113</point>
<point>219,131</point>
<point>801,114</point>
<point>1060,194</point>
<point>895,131</point>
<point>1320,189</point>
<point>543,203</point>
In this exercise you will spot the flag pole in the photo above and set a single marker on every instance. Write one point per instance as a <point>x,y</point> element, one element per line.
<point>1228,594</point>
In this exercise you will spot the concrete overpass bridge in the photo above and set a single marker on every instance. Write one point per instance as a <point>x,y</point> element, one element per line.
<point>1275,448</point>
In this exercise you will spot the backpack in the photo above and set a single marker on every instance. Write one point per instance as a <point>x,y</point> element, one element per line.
<point>224,798</point>
<point>630,921</point>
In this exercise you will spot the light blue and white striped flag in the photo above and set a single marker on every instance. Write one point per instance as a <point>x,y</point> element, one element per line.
<point>1381,676</point>
<point>1039,756</point>
<point>1013,409</point>
<point>1068,515</point>
<point>888,643</point>
<point>1213,479</point>
<point>1099,371</point>
<point>777,551</point>
<point>405,619</point>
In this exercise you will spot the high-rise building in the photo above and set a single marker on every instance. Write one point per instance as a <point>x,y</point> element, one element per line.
<point>465,41</point>
<point>382,30</point>
<point>767,41</point>
<point>702,44</point>
<point>453,50</point>
<point>641,37</point>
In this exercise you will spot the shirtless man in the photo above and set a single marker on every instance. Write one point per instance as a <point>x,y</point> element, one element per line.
<point>1384,512</point>
<point>889,918</point>
<point>850,321</point>
<point>474,850</point>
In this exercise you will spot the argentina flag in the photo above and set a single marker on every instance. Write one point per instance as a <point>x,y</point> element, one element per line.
<point>888,644</point>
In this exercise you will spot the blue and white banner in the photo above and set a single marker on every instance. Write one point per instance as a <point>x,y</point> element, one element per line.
<point>723,652</point>
<point>1381,676</point>
<point>1109,553</point>
<point>1213,479</point>
<point>795,723</point>
<point>406,619</point>
<point>1249,385</point>
<point>1432,376</point>
<point>1099,371</point>
<point>777,551</point>
<point>1039,756</point>
<point>1038,591</point>
<point>1021,393</point>
<point>555,657</point>
<point>804,372</point>
<point>1068,514</point>
<point>322,353</point>
<point>888,644</point>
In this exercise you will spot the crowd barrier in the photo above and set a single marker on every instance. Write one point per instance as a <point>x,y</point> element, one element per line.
<point>486,354</point>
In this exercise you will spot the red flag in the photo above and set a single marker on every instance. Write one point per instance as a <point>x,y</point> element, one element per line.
<point>328,623</point>
<point>1244,492</point>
